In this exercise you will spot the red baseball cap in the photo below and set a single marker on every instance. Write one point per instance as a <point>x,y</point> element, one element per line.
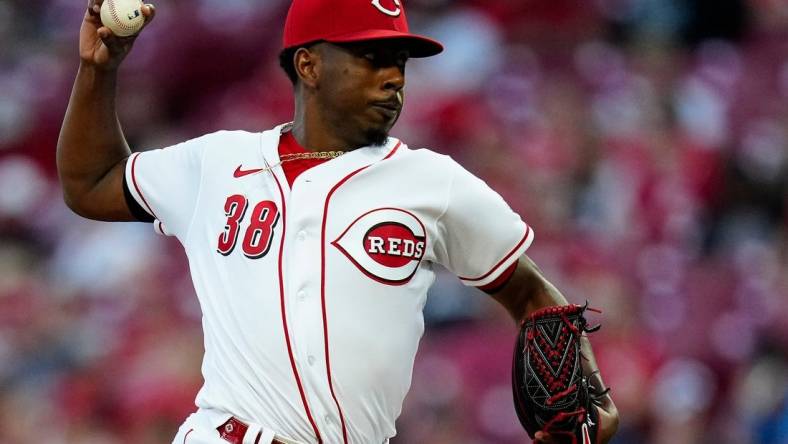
<point>342,21</point>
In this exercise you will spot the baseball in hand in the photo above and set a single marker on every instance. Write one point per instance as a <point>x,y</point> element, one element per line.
<point>122,17</point>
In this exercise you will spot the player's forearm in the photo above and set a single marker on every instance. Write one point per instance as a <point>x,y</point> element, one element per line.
<point>91,141</point>
<point>527,291</point>
<point>542,293</point>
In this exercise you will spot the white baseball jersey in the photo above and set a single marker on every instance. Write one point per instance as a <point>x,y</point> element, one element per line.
<point>312,295</point>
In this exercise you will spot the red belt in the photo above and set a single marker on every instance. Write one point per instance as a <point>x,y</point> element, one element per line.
<point>234,430</point>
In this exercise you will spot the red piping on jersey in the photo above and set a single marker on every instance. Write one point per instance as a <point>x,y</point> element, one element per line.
<point>503,278</point>
<point>136,187</point>
<point>516,247</point>
<point>284,316</point>
<point>323,284</point>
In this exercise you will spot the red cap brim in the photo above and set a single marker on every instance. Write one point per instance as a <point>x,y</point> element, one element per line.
<point>419,46</point>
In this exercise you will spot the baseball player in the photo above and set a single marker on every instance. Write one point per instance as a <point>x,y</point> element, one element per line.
<point>311,245</point>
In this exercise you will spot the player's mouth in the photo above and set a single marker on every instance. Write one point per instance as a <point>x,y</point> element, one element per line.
<point>390,108</point>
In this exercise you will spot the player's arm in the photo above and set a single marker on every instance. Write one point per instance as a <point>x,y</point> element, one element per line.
<point>91,149</point>
<point>526,291</point>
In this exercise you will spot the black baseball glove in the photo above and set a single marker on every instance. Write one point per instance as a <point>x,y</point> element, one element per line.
<point>551,394</point>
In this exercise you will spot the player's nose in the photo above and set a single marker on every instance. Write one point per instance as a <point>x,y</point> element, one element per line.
<point>393,78</point>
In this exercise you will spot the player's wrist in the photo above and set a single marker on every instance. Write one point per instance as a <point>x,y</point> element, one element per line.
<point>95,82</point>
<point>99,72</point>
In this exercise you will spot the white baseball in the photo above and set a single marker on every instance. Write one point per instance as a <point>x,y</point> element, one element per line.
<point>122,17</point>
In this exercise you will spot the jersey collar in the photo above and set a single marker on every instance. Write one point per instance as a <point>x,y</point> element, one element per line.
<point>340,166</point>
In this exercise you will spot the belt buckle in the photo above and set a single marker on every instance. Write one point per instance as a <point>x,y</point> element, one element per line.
<point>233,431</point>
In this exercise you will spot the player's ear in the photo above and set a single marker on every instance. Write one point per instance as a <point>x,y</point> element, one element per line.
<point>307,66</point>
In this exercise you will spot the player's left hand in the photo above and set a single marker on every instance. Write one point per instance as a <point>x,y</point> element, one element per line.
<point>608,424</point>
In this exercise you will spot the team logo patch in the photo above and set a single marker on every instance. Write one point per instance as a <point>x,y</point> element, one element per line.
<point>386,244</point>
<point>393,12</point>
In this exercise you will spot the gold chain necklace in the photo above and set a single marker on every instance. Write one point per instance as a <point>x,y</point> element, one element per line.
<point>322,155</point>
<point>310,155</point>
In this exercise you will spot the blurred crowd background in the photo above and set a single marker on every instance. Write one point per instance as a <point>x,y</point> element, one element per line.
<point>646,141</point>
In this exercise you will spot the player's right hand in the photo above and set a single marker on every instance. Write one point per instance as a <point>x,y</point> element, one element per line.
<point>98,46</point>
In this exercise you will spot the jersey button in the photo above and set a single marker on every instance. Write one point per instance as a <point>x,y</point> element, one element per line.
<point>301,295</point>
<point>311,359</point>
<point>301,235</point>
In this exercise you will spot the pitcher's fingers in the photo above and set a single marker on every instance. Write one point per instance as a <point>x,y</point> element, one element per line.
<point>543,438</point>
<point>104,33</point>
<point>115,44</point>
<point>149,11</point>
<point>94,7</point>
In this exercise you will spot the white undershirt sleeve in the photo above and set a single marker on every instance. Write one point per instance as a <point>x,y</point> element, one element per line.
<point>480,234</point>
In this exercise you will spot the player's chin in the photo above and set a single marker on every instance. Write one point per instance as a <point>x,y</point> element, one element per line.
<point>376,132</point>
<point>376,136</point>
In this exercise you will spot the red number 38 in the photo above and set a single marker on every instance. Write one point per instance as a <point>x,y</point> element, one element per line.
<point>260,232</point>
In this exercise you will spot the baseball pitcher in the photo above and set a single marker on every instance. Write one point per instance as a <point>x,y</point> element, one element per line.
<point>311,245</point>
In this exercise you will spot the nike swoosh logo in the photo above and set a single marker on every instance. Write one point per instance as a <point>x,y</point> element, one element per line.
<point>241,173</point>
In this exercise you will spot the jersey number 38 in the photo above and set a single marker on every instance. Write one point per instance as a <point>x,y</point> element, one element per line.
<point>259,233</point>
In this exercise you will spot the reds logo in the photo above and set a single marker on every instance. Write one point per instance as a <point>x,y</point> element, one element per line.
<point>391,12</point>
<point>386,244</point>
